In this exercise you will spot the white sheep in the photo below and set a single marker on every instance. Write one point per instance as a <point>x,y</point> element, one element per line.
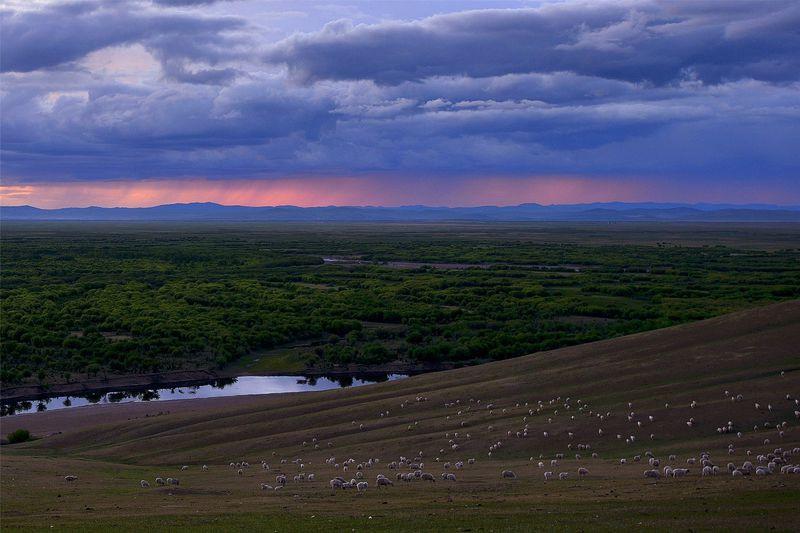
<point>508,474</point>
<point>144,484</point>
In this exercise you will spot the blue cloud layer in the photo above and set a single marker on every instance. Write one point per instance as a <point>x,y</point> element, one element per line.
<point>703,90</point>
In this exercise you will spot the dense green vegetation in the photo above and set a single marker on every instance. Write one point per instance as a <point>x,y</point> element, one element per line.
<point>19,435</point>
<point>83,299</point>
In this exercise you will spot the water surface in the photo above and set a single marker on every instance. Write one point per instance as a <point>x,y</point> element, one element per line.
<point>240,386</point>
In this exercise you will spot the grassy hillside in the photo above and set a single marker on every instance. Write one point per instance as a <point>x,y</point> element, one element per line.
<point>753,353</point>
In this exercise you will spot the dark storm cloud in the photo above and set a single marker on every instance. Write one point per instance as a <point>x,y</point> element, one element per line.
<point>658,42</point>
<point>62,33</point>
<point>614,88</point>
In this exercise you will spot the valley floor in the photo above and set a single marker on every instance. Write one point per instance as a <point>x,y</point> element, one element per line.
<point>626,381</point>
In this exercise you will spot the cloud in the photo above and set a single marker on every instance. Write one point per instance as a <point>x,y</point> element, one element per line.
<point>641,40</point>
<point>136,90</point>
<point>183,3</point>
<point>65,32</point>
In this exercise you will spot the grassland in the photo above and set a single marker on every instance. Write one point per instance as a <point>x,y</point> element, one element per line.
<point>83,300</point>
<point>753,353</point>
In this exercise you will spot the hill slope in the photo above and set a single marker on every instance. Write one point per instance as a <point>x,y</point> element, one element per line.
<point>743,353</point>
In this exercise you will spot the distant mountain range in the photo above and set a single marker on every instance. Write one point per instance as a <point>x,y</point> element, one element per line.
<point>600,212</point>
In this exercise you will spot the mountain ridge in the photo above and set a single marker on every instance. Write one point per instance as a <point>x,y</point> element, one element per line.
<point>600,211</point>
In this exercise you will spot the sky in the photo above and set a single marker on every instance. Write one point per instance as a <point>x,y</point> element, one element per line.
<point>251,102</point>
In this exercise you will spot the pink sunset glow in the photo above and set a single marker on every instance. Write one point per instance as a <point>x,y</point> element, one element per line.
<point>316,191</point>
<point>369,190</point>
<point>319,191</point>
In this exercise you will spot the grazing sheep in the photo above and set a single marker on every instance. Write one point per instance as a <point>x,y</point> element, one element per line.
<point>335,483</point>
<point>508,474</point>
<point>680,472</point>
<point>173,481</point>
<point>361,486</point>
<point>159,481</point>
<point>583,472</point>
<point>265,486</point>
<point>184,468</point>
<point>450,477</point>
<point>70,478</point>
<point>652,473</point>
<point>563,475</point>
<point>144,484</point>
<point>240,472</point>
<point>427,477</point>
<point>383,482</point>
<point>280,479</point>
<point>548,476</point>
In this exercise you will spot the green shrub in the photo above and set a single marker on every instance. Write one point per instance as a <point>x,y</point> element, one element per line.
<point>20,435</point>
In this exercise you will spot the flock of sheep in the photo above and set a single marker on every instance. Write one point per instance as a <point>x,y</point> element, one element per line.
<point>352,474</point>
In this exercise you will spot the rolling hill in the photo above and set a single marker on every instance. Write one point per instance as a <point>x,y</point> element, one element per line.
<point>692,372</point>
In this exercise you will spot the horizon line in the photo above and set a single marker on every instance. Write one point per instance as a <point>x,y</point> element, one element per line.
<point>402,206</point>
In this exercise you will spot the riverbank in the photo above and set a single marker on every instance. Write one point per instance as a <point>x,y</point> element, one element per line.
<point>107,384</point>
<point>187,378</point>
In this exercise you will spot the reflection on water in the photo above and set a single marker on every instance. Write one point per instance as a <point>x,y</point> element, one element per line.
<point>213,389</point>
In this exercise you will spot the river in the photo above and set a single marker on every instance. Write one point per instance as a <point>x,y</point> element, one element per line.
<point>239,386</point>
